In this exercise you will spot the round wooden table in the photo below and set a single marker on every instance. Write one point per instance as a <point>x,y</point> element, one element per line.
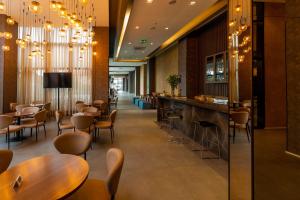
<point>46,177</point>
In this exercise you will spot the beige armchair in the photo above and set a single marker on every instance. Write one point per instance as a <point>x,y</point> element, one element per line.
<point>62,124</point>
<point>90,109</point>
<point>80,107</point>
<point>76,143</point>
<point>39,120</point>
<point>103,189</point>
<point>5,159</point>
<point>7,128</point>
<point>108,124</point>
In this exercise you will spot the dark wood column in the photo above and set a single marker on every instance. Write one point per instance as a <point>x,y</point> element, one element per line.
<point>8,66</point>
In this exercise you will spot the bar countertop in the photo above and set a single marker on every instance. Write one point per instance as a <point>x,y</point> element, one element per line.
<point>211,106</point>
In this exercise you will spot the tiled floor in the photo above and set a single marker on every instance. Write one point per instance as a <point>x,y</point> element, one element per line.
<point>154,168</point>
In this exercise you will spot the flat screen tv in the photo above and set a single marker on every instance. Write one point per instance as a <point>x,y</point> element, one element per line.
<point>58,80</point>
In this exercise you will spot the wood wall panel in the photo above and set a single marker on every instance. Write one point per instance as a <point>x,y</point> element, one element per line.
<point>208,40</point>
<point>275,74</point>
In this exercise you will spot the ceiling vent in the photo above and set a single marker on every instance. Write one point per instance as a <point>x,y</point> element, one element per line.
<point>139,48</point>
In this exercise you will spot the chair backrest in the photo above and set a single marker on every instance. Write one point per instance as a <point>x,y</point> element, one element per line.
<point>5,159</point>
<point>112,116</point>
<point>5,121</point>
<point>114,163</point>
<point>104,107</point>
<point>243,109</point>
<point>59,115</point>
<point>81,122</point>
<point>90,109</point>
<point>240,117</point>
<point>12,106</point>
<point>37,102</point>
<point>75,143</point>
<point>20,107</point>
<point>98,102</point>
<point>78,102</point>
<point>32,110</point>
<point>47,106</point>
<point>80,106</point>
<point>41,116</point>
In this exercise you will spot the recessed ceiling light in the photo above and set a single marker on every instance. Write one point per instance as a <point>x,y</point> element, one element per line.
<point>193,3</point>
<point>166,28</point>
<point>151,43</point>
<point>137,27</point>
<point>149,1</point>
<point>130,43</point>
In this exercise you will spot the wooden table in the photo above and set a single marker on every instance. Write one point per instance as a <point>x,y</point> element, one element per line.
<point>91,114</point>
<point>46,177</point>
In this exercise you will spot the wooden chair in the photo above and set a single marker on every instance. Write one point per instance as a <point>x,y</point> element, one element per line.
<point>78,102</point>
<point>62,124</point>
<point>75,143</point>
<point>5,159</point>
<point>240,120</point>
<point>32,110</point>
<point>108,124</point>
<point>94,189</point>
<point>39,120</point>
<point>6,127</point>
<point>20,107</point>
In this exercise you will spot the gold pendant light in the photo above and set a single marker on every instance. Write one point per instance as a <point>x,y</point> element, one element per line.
<point>5,48</point>
<point>35,7</point>
<point>2,7</point>
<point>10,20</point>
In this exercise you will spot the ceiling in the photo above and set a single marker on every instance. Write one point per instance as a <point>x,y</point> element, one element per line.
<point>101,10</point>
<point>150,24</point>
<point>120,70</point>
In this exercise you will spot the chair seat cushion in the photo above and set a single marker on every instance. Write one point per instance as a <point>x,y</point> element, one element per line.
<point>92,190</point>
<point>31,124</point>
<point>66,125</point>
<point>12,128</point>
<point>103,124</point>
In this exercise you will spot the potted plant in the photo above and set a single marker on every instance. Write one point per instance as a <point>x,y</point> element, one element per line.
<point>173,80</point>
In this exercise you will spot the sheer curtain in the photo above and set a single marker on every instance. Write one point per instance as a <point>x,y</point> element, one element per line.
<point>59,59</point>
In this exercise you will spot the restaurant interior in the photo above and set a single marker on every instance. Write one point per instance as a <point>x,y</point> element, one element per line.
<point>149,99</point>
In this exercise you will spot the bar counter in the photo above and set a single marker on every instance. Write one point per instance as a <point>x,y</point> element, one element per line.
<point>194,110</point>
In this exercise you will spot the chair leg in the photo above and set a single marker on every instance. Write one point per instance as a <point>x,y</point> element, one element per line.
<point>248,132</point>
<point>30,132</point>
<point>45,130</point>
<point>8,144</point>
<point>84,155</point>
<point>233,137</point>
<point>111,135</point>
<point>36,133</point>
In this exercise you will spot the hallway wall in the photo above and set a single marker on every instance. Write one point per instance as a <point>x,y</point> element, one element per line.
<point>165,65</point>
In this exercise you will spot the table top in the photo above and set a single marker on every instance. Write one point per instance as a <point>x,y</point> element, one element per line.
<point>37,104</point>
<point>20,114</point>
<point>45,177</point>
<point>92,114</point>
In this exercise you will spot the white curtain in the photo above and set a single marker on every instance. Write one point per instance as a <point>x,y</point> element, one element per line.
<point>59,59</point>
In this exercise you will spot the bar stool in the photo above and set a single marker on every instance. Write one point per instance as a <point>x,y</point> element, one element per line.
<point>207,137</point>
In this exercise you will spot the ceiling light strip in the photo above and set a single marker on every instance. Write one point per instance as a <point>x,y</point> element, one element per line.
<point>125,23</point>
<point>192,24</point>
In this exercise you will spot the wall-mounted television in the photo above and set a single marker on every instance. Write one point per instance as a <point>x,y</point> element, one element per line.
<point>58,80</point>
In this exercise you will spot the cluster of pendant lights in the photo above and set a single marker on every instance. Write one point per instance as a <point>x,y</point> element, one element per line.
<point>73,14</point>
<point>238,25</point>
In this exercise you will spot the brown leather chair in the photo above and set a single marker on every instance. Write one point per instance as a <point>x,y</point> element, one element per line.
<point>103,189</point>
<point>108,124</point>
<point>7,128</point>
<point>5,159</point>
<point>75,143</point>
<point>90,109</point>
<point>12,107</point>
<point>62,124</point>
<point>39,120</point>
<point>240,121</point>
<point>83,123</point>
